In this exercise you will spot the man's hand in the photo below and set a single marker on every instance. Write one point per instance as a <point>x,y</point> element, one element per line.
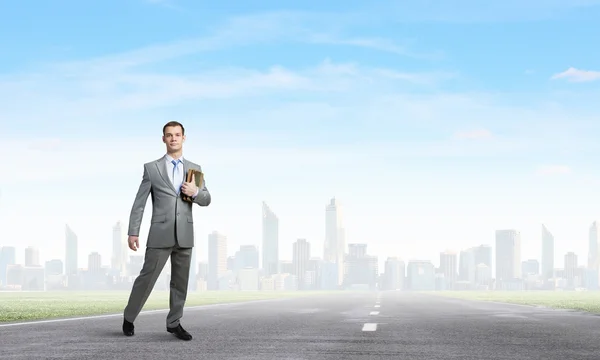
<point>134,242</point>
<point>190,188</point>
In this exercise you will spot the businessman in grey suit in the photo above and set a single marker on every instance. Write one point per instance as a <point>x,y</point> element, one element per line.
<point>171,229</point>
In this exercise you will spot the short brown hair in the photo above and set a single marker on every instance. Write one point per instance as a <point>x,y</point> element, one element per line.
<point>174,123</point>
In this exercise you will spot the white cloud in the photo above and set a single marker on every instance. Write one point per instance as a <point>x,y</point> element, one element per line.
<point>302,135</point>
<point>474,134</point>
<point>475,11</point>
<point>75,95</point>
<point>577,75</point>
<point>375,43</point>
<point>239,31</point>
<point>554,170</point>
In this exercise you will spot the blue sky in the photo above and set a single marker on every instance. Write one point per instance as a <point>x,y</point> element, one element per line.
<point>413,113</point>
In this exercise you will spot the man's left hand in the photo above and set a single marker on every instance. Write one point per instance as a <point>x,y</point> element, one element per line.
<point>189,188</point>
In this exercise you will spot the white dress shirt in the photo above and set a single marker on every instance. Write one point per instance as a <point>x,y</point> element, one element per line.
<point>180,176</point>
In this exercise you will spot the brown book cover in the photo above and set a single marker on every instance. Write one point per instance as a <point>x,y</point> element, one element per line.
<point>199,177</point>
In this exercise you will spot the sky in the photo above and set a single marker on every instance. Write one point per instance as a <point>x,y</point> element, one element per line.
<point>434,124</point>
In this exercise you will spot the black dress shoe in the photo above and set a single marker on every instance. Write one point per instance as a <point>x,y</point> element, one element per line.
<point>127,328</point>
<point>180,332</point>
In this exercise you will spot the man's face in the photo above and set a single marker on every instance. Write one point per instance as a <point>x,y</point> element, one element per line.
<point>173,138</point>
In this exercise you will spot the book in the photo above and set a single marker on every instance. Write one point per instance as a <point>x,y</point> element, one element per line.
<point>199,180</point>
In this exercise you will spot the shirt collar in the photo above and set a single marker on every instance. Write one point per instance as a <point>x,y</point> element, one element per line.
<point>170,158</point>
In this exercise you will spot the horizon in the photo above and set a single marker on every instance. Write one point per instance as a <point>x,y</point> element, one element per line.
<point>559,258</point>
<point>433,125</point>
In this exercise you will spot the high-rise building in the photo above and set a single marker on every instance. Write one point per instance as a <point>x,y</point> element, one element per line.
<point>420,275</point>
<point>449,267</point>
<point>32,257</point>
<point>530,267</point>
<point>71,252</point>
<point>394,274</point>
<point>483,255</point>
<point>270,241</point>
<point>119,249</point>
<point>571,269</point>
<point>593,240</point>
<point>94,262</point>
<point>547,264</point>
<point>335,238</point>
<point>475,266</point>
<point>483,265</point>
<point>357,250</point>
<point>203,270</point>
<point>361,269</point>
<point>54,267</point>
<point>193,277</point>
<point>8,256</point>
<point>286,267</point>
<point>246,257</point>
<point>217,259</point>
<point>467,266</point>
<point>508,255</point>
<point>301,256</point>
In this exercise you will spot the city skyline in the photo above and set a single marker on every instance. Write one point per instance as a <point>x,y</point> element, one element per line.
<point>435,124</point>
<point>469,269</point>
<point>268,213</point>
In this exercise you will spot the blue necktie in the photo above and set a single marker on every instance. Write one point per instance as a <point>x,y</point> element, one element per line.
<point>176,178</point>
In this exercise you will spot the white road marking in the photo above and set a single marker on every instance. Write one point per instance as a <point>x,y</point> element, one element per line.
<point>377,306</point>
<point>374,313</point>
<point>73,319</point>
<point>187,308</point>
<point>369,327</point>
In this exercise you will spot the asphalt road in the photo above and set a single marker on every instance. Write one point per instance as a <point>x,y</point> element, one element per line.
<point>387,325</point>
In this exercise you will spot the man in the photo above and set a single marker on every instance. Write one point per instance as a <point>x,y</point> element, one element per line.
<point>171,229</point>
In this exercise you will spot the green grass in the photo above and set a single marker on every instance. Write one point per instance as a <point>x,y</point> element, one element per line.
<point>588,301</point>
<point>20,306</point>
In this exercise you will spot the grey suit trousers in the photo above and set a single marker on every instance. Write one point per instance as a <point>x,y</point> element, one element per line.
<point>154,263</point>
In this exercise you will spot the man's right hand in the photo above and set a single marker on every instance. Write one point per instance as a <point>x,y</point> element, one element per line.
<point>134,242</point>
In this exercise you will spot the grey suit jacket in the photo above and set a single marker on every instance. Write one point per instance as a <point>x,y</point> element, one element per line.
<point>171,219</point>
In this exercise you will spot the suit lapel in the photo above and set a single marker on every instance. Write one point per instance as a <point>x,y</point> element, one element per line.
<point>185,168</point>
<point>161,165</point>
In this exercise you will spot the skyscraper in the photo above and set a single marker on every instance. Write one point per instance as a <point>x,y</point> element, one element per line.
<point>217,259</point>
<point>449,267</point>
<point>394,274</point>
<point>8,255</point>
<point>361,269</point>
<point>357,250</point>
<point>301,255</point>
<point>335,238</point>
<point>71,251</point>
<point>467,266</point>
<point>193,277</point>
<point>94,262</point>
<point>547,264</point>
<point>270,241</point>
<point>530,267</point>
<point>119,249</point>
<point>593,239</point>
<point>483,255</point>
<point>32,256</point>
<point>571,269</point>
<point>247,257</point>
<point>508,255</point>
